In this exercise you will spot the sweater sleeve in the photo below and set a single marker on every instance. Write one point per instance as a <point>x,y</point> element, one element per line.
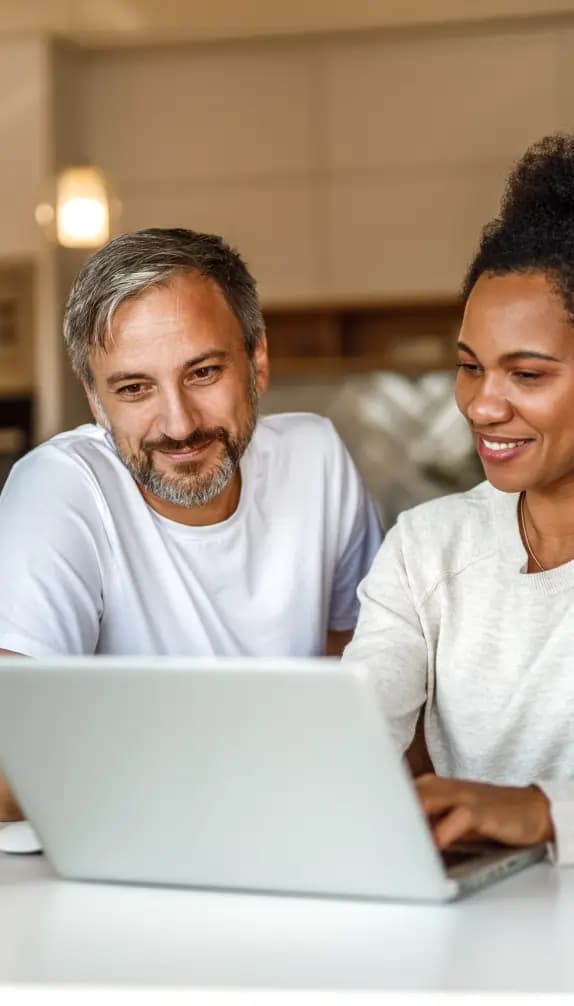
<point>560,793</point>
<point>389,642</point>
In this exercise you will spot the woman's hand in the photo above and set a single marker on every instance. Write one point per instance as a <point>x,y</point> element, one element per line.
<point>461,811</point>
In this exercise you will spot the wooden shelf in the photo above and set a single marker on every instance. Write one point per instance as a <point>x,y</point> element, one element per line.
<point>315,340</point>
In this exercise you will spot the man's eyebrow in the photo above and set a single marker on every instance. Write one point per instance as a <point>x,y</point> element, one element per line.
<point>518,354</point>
<point>132,375</point>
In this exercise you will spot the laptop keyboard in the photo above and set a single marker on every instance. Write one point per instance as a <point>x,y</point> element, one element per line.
<point>457,855</point>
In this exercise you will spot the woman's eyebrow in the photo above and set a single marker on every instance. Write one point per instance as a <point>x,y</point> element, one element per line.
<point>517,354</point>
<point>521,354</point>
<point>466,349</point>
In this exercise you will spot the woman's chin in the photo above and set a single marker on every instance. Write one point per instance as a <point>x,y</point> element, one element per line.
<point>505,483</point>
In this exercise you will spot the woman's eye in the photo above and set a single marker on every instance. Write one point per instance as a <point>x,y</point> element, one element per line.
<point>468,368</point>
<point>527,375</point>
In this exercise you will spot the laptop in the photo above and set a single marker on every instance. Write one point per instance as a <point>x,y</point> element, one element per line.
<point>246,774</point>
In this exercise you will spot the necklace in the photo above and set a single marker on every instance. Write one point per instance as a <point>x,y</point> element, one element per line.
<point>529,549</point>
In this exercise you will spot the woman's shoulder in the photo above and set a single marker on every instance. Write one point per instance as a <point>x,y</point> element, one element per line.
<point>450,532</point>
<point>474,507</point>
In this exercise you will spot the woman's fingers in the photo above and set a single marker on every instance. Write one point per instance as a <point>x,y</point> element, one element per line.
<point>461,810</point>
<point>455,826</point>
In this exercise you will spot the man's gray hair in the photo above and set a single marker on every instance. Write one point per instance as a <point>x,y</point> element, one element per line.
<point>132,263</point>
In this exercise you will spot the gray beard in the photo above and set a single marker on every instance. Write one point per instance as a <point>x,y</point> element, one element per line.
<point>187,489</point>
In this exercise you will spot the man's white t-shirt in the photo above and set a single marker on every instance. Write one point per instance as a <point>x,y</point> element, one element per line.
<point>86,566</point>
<point>451,620</point>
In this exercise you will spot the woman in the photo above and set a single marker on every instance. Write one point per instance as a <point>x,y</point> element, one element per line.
<point>468,609</point>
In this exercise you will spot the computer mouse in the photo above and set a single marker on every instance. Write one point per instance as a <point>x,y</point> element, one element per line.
<point>19,837</point>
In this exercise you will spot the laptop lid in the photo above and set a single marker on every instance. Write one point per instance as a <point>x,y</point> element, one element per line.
<point>251,774</point>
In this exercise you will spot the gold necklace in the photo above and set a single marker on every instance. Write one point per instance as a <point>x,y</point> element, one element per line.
<point>529,549</point>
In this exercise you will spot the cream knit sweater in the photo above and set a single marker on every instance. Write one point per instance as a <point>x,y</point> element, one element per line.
<point>449,616</point>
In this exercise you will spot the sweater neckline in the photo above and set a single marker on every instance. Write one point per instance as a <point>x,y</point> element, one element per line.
<point>514,554</point>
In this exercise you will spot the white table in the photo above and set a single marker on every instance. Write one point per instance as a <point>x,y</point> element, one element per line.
<point>517,935</point>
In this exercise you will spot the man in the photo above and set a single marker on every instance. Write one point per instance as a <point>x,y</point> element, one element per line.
<point>180,523</point>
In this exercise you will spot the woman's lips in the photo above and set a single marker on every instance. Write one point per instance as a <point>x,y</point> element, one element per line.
<point>497,449</point>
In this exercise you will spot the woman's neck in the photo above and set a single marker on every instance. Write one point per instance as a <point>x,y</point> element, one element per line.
<point>547,527</point>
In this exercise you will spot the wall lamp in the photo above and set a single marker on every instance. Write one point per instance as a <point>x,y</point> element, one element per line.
<point>77,209</point>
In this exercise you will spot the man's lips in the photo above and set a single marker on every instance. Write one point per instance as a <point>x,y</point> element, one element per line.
<point>185,453</point>
<point>501,448</point>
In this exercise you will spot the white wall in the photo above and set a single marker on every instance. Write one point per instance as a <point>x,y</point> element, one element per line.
<point>24,126</point>
<point>345,167</point>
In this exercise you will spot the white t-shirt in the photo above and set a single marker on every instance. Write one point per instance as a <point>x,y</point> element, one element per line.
<point>86,566</point>
<point>449,616</point>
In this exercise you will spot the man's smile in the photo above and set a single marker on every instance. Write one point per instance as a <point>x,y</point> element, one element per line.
<point>187,453</point>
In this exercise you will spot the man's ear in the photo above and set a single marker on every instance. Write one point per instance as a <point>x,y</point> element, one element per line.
<point>261,364</point>
<point>95,405</point>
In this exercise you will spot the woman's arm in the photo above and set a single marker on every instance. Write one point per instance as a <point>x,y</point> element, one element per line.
<point>389,643</point>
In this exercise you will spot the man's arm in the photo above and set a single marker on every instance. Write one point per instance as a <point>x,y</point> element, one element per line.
<point>9,809</point>
<point>53,546</point>
<point>337,641</point>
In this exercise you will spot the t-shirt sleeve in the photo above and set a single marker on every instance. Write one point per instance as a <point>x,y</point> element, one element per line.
<point>560,793</point>
<point>51,540</point>
<point>389,642</point>
<point>359,538</point>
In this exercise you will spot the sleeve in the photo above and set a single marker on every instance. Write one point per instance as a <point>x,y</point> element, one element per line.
<point>560,793</point>
<point>51,539</point>
<point>389,643</point>
<point>359,538</point>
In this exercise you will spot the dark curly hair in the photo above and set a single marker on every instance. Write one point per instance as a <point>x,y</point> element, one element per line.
<point>534,231</point>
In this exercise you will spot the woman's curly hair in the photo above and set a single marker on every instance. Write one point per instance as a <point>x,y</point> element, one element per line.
<point>534,231</point>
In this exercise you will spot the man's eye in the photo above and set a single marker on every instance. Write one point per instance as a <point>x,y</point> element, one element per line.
<point>130,390</point>
<point>205,373</point>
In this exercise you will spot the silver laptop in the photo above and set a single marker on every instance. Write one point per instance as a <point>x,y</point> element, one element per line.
<point>262,775</point>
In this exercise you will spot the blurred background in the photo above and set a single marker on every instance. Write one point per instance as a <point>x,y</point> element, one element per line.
<point>351,150</point>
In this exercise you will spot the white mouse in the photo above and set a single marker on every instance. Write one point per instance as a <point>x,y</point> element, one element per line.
<point>18,836</point>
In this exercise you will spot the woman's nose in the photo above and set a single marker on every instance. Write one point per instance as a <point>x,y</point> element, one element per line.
<point>488,405</point>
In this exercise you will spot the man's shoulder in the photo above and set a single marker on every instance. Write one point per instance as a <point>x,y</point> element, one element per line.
<point>73,457</point>
<point>295,432</point>
<point>82,441</point>
<point>302,445</point>
<point>296,425</point>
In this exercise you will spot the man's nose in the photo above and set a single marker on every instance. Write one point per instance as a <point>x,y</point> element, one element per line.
<point>179,414</point>
<point>489,403</point>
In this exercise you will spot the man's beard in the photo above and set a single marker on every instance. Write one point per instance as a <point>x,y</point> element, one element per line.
<point>189,486</point>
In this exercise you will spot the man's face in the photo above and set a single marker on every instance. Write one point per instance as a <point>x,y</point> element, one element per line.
<point>179,396</point>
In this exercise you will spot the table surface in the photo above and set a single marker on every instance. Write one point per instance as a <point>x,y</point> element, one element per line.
<point>517,935</point>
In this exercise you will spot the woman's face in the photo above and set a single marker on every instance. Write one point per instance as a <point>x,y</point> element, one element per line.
<point>515,381</point>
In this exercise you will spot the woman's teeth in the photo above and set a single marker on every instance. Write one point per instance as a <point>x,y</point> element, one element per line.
<point>497,445</point>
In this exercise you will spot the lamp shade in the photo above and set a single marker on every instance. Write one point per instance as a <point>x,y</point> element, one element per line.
<point>77,214</point>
